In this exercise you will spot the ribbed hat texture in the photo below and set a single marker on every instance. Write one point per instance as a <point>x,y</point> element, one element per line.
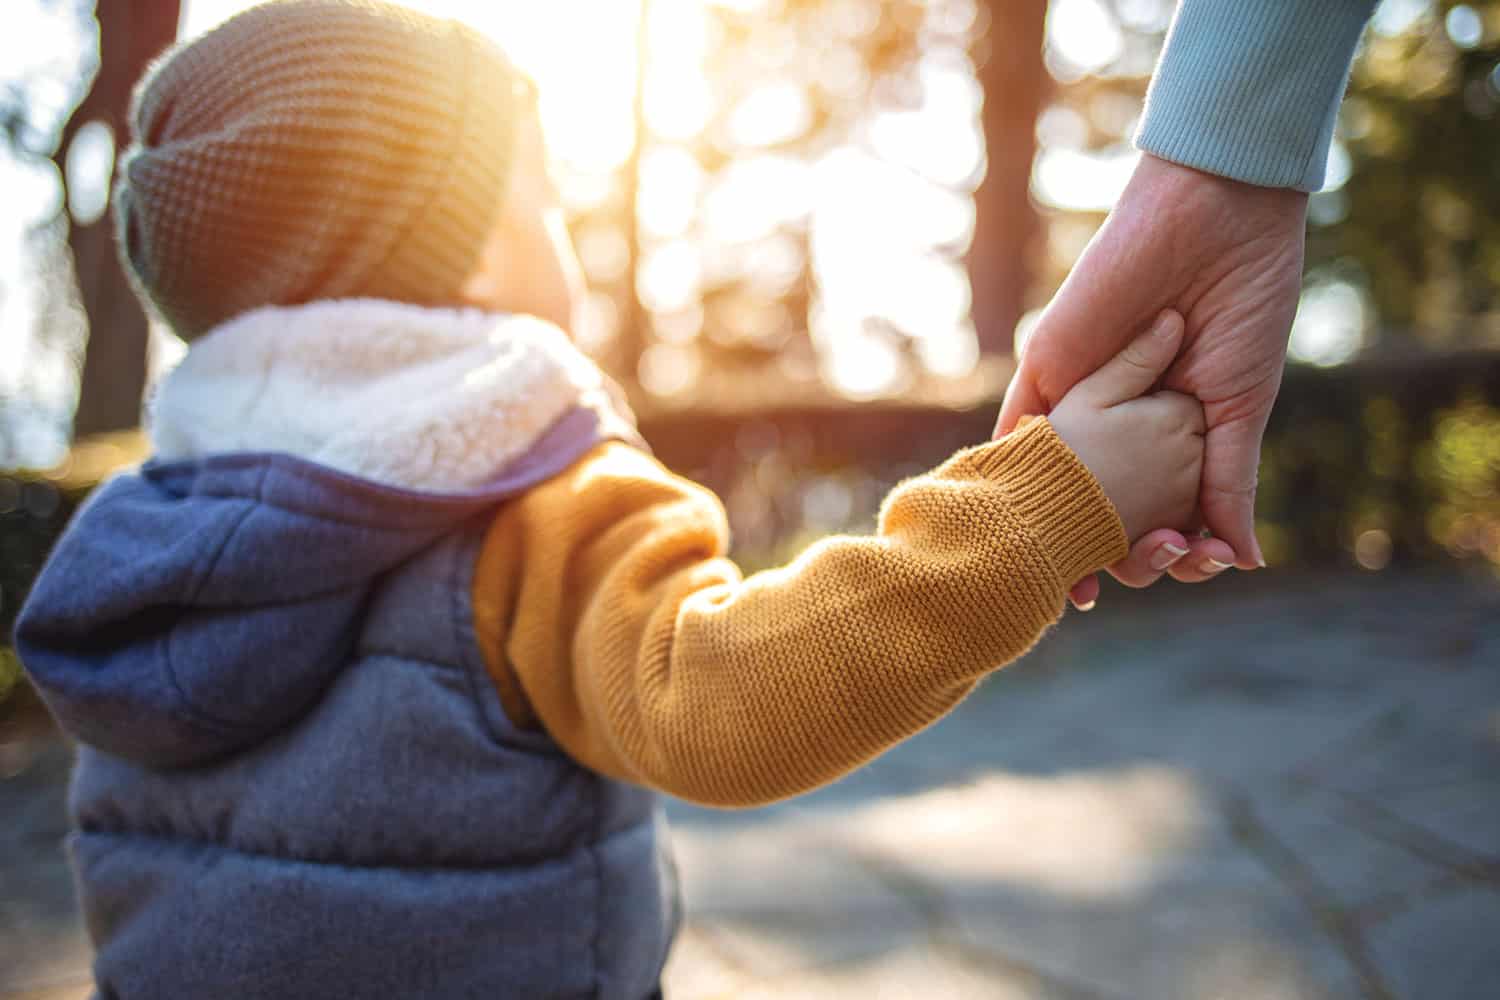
<point>314,149</point>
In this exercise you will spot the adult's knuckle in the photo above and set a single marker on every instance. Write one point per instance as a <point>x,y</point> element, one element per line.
<point>1233,491</point>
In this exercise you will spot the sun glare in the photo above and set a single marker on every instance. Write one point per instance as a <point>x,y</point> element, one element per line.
<point>588,116</point>
<point>781,187</point>
<point>877,272</point>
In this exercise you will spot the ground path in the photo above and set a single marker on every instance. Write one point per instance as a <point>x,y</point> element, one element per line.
<point>1261,789</point>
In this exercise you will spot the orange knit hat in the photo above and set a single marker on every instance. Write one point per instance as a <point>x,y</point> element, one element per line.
<point>315,149</point>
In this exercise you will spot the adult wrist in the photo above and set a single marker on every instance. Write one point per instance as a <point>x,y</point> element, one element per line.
<point>1180,217</point>
<point>1172,181</point>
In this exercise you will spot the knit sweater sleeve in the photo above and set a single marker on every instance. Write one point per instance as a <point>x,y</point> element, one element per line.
<point>609,615</point>
<point>1251,90</point>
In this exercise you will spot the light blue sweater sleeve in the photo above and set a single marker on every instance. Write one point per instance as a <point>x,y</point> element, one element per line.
<point>1250,89</point>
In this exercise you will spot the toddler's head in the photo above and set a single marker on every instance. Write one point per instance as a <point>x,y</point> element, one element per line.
<point>328,149</point>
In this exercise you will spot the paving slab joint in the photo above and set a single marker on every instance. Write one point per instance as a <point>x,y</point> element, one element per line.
<point>1283,863</point>
<point>942,930</point>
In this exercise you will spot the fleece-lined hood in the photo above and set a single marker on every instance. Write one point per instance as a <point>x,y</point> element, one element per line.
<point>200,604</point>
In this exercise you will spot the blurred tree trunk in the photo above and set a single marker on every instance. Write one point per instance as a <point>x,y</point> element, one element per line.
<point>630,338</point>
<point>1015,83</point>
<point>131,34</point>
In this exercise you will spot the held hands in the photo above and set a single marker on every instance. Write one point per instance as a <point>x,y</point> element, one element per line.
<point>1225,256</point>
<point>1145,448</point>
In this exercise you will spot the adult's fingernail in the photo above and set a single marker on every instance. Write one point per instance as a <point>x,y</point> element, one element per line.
<point>1087,606</point>
<point>1212,566</point>
<point>1165,555</point>
<point>1260,556</point>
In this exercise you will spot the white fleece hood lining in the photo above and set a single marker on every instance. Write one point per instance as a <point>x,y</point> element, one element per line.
<point>425,399</point>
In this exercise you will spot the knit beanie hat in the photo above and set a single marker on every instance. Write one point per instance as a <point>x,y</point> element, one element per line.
<point>315,149</point>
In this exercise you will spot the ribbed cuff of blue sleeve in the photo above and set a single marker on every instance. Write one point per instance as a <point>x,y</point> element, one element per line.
<point>1250,89</point>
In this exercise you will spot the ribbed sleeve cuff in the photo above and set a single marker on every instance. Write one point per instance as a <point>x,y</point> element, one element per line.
<point>1055,494</point>
<point>1250,89</point>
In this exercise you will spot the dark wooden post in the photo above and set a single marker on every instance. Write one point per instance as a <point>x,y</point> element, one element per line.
<point>1015,82</point>
<point>131,34</point>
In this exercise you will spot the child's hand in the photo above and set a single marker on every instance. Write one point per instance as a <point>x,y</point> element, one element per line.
<point>1146,449</point>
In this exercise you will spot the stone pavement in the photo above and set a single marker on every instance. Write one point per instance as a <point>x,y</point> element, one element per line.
<point>1265,788</point>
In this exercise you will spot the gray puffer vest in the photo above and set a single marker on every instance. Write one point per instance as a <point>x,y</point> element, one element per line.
<point>296,779</point>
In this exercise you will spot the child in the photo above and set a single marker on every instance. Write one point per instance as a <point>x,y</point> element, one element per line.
<point>376,664</point>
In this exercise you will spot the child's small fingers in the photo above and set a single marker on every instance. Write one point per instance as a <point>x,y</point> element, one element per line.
<point>1133,371</point>
<point>1184,411</point>
<point>1085,592</point>
<point>1206,559</point>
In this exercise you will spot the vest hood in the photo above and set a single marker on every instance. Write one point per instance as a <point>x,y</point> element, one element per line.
<point>199,605</point>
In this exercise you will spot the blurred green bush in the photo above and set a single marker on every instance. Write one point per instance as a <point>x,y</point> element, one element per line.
<point>1373,464</point>
<point>10,673</point>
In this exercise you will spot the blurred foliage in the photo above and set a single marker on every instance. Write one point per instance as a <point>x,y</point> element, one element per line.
<point>794,215</point>
<point>1418,222</point>
<point>1363,465</point>
<point>1375,466</point>
<point>796,211</point>
<point>1411,220</point>
<point>1463,459</point>
<point>32,403</point>
<point>786,145</point>
<point>792,220</point>
<point>36,286</point>
<point>10,673</point>
<point>36,97</point>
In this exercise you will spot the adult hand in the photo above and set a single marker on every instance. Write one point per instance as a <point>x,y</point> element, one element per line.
<point>1225,255</point>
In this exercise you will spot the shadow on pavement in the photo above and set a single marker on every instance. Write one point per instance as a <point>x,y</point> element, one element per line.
<point>1268,788</point>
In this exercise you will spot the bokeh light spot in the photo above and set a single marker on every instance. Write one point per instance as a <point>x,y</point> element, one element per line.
<point>1465,27</point>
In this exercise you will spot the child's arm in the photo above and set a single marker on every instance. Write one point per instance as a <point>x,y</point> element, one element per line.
<point>608,613</point>
<point>644,653</point>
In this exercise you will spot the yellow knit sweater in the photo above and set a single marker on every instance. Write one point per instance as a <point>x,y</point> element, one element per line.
<point>609,615</point>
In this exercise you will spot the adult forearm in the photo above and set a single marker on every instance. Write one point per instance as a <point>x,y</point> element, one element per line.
<point>1250,89</point>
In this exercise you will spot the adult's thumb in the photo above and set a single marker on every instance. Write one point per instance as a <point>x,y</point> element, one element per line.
<point>1021,399</point>
<point>1137,368</point>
